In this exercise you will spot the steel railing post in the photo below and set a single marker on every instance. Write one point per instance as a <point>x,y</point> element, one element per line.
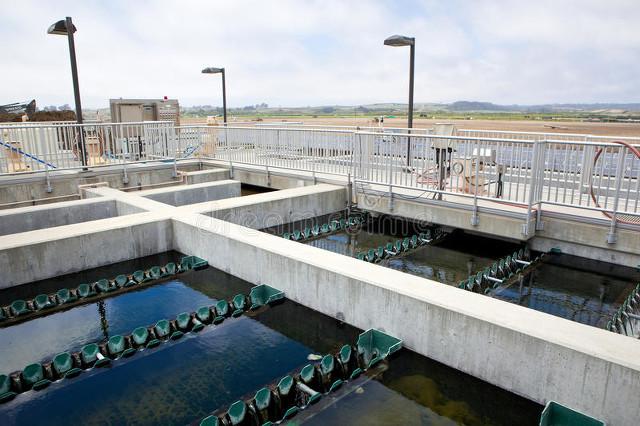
<point>173,144</point>
<point>612,237</point>
<point>475,219</point>
<point>540,183</point>
<point>534,184</point>
<point>125,177</point>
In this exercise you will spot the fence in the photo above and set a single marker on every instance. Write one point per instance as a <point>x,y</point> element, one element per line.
<point>28,147</point>
<point>598,175</point>
<point>522,170</point>
<point>316,151</point>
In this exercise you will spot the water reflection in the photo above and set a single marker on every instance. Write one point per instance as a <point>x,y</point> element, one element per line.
<point>418,391</point>
<point>578,295</point>
<point>173,384</point>
<point>40,339</point>
<point>437,262</point>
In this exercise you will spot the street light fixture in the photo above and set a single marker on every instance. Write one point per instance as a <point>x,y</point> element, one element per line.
<point>399,41</point>
<point>213,70</point>
<point>65,27</point>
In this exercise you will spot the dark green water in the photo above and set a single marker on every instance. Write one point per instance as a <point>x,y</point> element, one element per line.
<point>416,391</point>
<point>584,291</point>
<point>182,381</point>
<point>171,385</point>
<point>40,338</point>
<point>570,287</point>
<point>95,322</point>
<point>450,261</point>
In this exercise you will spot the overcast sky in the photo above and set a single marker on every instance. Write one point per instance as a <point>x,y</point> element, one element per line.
<point>299,52</point>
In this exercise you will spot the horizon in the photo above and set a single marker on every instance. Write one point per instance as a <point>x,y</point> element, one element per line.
<point>382,104</point>
<point>326,53</point>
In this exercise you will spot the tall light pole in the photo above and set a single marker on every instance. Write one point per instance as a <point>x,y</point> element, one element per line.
<point>398,41</point>
<point>213,70</point>
<point>66,27</point>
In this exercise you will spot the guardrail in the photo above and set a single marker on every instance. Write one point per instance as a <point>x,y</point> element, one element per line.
<point>518,169</point>
<point>598,175</point>
<point>29,147</point>
<point>316,151</point>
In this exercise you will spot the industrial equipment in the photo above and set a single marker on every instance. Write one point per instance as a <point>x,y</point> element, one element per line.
<point>138,110</point>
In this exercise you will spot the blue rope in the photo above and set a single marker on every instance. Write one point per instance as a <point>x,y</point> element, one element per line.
<point>21,152</point>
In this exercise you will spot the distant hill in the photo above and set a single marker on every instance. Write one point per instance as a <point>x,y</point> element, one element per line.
<point>479,106</point>
<point>421,108</point>
<point>472,106</point>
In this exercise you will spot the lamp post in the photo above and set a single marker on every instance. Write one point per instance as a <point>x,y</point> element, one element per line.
<point>213,70</point>
<point>398,41</point>
<point>66,27</point>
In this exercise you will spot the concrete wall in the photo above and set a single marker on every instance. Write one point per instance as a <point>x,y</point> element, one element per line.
<point>202,176</point>
<point>48,253</point>
<point>490,223</point>
<point>31,189</point>
<point>530,353</point>
<point>127,202</point>
<point>275,208</point>
<point>275,181</point>
<point>125,208</point>
<point>65,213</point>
<point>191,194</point>
<point>589,240</point>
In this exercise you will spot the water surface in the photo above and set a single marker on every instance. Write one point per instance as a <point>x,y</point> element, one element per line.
<point>173,384</point>
<point>40,339</point>
<point>449,261</point>
<point>577,292</point>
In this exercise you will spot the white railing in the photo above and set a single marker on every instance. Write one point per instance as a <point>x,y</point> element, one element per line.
<point>599,176</point>
<point>534,136</point>
<point>316,151</point>
<point>28,147</point>
<point>517,169</point>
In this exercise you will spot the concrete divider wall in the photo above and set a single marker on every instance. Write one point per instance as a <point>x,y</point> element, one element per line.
<point>275,208</point>
<point>530,353</point>
<point>589,240</point>
<point>191,194</point>
<point>128,202</point>
<point>64,213</point>
<point>47,253</point>
<point>202,176</point>
<point>276,181</point>
<point>32,188</point>
<point>125,208</point>
<point>455,216</point>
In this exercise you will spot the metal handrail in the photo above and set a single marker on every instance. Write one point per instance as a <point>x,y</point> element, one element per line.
<point>523,172</point>
<point>74,124</point>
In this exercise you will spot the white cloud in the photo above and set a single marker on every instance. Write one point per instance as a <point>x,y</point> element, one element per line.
<point>325,52</point>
